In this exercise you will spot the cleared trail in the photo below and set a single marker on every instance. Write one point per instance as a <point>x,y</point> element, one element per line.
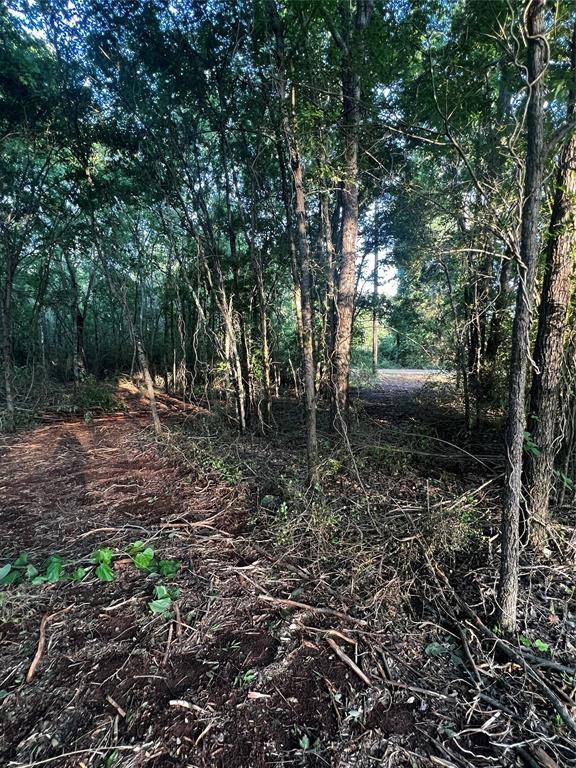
<point>223,679</point>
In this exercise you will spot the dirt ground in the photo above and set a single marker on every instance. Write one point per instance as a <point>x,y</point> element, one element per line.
<point>254,664</point>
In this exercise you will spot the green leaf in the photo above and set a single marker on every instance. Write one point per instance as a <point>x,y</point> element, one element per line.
<point>21,561</point>
<point>4,571</point>
<point>39,580</point>
<point>136,547</point>
<point>11,578</point>
<point>31,571</point>
<point>526,642</point>
<point>143,560</point>
<point>53,569</point>
<point>79,573</point>
<point>161,605</point>
<point>436,649</point>
<point>161,591</point>
<point>103,556</point>
<point>104,572</point>
<point>168,568</point>
<point>541,646</point>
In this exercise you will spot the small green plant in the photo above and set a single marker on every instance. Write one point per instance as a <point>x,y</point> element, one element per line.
<point>567,482</point>
<point>307,743</point>
<point>20,569</point>
<point>78,574</point>
<point>245,679</point>
<point>163,599</point>
<point>53,571</point>
<point>540,645</point>
<point>530,446</point>
<point>143,558</point>
<point>103,560</point>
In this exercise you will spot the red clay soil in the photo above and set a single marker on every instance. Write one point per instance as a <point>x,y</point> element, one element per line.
<point>224,680</point>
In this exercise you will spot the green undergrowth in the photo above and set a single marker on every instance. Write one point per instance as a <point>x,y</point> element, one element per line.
<point>100,564</point>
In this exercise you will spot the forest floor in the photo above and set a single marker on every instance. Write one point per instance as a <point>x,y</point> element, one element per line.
<point>302,628</point>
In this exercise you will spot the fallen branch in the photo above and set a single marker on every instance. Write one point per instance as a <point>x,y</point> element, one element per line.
<point>348,661</point>
<point>295,604</point>
<point>42,642</point>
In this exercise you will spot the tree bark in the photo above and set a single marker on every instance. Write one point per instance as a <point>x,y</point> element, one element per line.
<point>527,267</point>
<point>263,309</point>
<point>550,346</point>
<point>375,296</point>
<point>350,43</point>
<point>297,298</point>
<point>289,129</point>
<point>7,361</point>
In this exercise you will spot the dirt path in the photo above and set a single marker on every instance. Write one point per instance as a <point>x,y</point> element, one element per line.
<point>402,380</point>
<point>223,679</point>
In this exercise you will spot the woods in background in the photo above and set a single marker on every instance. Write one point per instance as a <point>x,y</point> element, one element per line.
<point>199,190</point>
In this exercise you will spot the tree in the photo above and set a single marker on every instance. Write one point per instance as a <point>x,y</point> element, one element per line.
<point>527,268</point>
<point>349,39</point>
<point>549,351</point>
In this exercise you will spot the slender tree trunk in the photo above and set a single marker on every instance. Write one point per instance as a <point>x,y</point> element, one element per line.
<point>527,267</point>
<point>330,279</point>
<point>305,282</point>
<point>375,296</point>
<point>306,297</point>
<point>243,351</point>
<point>549,349</point>
<point>291,239</point>
<point>234,361</point>
<point>145,368</point>
<point>7,360</point>
<point>78,359</point>
<point>352,49</point>
<point>262,311</point>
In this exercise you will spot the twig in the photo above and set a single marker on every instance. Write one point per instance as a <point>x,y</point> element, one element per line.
<point>517,658</point>
<point>42,641</point>
<point>97,751</point>
<point>348,661</point>
<point>121,711</point>
<point>178,620</point>
<point>315,609</point>
<point>168,644</point>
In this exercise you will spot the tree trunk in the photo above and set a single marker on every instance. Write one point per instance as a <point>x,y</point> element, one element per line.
<point>289,129</point>
<point>527,267</point>
<point>7,361</point>
<point>306,298</point>
<point>350,43</point>
<point>375,296</point>
<point>262,308</point>
<point>329,309</point>
<point>291,239</point>
<point>549,349</point>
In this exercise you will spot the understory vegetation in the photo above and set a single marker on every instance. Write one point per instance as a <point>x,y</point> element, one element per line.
<point>288,407</point>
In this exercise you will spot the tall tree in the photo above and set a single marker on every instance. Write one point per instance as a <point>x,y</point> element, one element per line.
<point>349,39</point>
<point>527,262</point>
<point>549,351</point>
